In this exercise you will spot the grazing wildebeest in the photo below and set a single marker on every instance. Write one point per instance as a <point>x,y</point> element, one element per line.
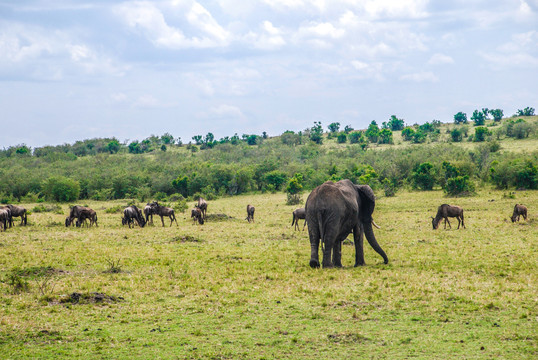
<point>87,214</point>
<point>4,218</point>
<point>196,215</point>
<point>9,217</point>
<point>131,213</point>
<point>148,212</point>
<point>163,211</point>
<point>18,211</point>
<point>519,210</point>
<point>298,214</point>
<point>250,213</point>
<point>444,212</point>
<point>81,213</point>
<point>202,205</point>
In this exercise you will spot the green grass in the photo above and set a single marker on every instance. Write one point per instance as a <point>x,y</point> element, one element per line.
<point>234,290</point>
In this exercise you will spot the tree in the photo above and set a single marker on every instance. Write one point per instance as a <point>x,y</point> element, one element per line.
<point>424,176</point>
<point>395,124</point>
<point>181,184</point>
<point>294,188</point>
<point>276,178</point>
<point>348,129</point>
<point>316,133</point>
<point>342,138</point>
<point>113,147</point>
<point>456,135</point>
<point>290,138</point>
<point>528,111</point>
<point>479,118</point>
<point>372,133</point>
<point>480,134</point>
<point>460,118</point>
<point>408,133</point>
<point>61,189</point>
<point>197,139</point>
<point>334,127</point>
<point>486,112</point>
<point>252,139</point>
<point>355,137</point>
<point>23,150</point>
<point>167,139</point>
<point>497,114</point>
<point>385,136</point>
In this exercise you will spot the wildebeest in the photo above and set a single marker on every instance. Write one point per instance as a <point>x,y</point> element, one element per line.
<point>163,211</point>
<point>196,215</point>
<point>132,213</point>
<point>250,213</point>
<point>444,212</point>
<point>9,219</point>
<point>18,211</point>
<point>298,214</point>
<point>87,214</point>
<point>202,205</point>
<point>519,210</point>
<point>4,218</point>
<point>148,212</point>
<point>81,213</point>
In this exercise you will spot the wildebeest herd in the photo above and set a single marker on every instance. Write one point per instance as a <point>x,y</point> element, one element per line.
<point>332,212</point>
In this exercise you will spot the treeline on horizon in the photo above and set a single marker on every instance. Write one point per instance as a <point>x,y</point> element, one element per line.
<point>105,169</point>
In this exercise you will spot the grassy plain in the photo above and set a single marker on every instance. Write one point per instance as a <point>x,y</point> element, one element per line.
<point>234,290</point>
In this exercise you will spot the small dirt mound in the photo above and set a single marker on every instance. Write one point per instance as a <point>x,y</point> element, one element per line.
<point>218,217</point>
<point>347,338</point>
<point>89,298</point>
<point>185,238</point>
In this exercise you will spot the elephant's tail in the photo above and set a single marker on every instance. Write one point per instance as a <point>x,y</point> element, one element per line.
<point>321,230</point>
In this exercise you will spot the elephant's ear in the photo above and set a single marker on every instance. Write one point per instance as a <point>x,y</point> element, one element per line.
<point>367,202</point>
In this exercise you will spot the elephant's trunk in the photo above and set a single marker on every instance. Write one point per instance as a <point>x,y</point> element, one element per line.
<point>369,232</point>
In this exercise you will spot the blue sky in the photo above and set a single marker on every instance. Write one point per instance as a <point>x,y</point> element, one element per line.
<point>74,69</point>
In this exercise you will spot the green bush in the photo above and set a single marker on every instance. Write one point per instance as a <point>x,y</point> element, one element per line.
<point>423,177</point>
<point>61,189</point>
<point>459,186</point>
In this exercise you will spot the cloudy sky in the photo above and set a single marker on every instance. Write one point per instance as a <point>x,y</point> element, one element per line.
<point>76,69</point>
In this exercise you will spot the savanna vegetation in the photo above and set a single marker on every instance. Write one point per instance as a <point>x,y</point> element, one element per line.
<point>230,289</point>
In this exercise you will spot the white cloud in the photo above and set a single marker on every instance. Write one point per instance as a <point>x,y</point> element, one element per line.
<point>148,18</point>
<point>520,52</point>
<point>368,71</point>
<point>269,38</point>
<point>440,59</point>
<point>426,76</point>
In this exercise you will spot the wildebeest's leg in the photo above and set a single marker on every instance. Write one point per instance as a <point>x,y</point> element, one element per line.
<point>303,224</point>
<point>358,239</point>
<point>162,220</point>
<point>446,221</point>
<point>462,222</point>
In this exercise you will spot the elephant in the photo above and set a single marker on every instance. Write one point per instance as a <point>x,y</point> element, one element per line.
<point>333,211</point>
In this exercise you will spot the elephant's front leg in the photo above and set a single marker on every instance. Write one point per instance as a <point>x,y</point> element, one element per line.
<point>358,239</point>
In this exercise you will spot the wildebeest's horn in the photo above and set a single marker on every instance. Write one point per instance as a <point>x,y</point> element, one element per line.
<point>373,223</point>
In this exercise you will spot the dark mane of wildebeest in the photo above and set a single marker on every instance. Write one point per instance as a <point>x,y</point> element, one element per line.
<point>444,212</point>
<point>18,211</point>
<point>519,210</point>
<point>9,219</point>
<point>202,205</point>
<point>196,215</point>
<point>148,213</point>
<point>131,213</point>
<point>297,215</point>
<point>164,211</point>
<point>250,213</point>
<point>4,218</point>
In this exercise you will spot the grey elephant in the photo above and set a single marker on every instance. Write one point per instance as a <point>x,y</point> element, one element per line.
<point>333,211</point>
